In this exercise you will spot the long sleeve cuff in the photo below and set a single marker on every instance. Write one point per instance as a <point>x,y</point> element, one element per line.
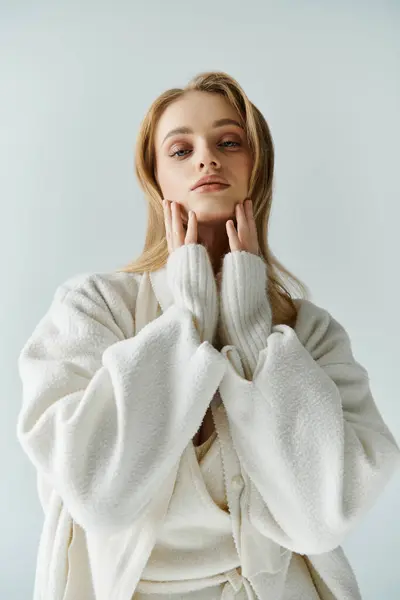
<point>245,311</point>
<point>192,282</point>
<point>309,436</point>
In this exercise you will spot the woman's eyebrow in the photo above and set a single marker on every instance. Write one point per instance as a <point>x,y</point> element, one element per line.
<point>218,123</point>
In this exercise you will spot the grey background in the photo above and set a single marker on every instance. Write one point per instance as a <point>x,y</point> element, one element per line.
<point>76,80</point>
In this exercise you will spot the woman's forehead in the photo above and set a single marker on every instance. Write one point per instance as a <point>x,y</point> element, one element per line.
<point>196,115</point>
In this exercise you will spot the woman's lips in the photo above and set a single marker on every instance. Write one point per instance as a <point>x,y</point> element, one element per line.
<point>211,187</point>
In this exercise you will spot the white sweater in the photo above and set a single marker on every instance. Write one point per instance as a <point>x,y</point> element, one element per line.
<point>111,403</point>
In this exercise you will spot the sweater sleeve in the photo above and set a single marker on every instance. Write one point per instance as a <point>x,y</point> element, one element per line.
<point>106,414</point>
<point>245,316</point>
<point>315,450</point>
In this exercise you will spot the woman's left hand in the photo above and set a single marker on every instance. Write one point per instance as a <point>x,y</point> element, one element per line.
<point>245,238</point>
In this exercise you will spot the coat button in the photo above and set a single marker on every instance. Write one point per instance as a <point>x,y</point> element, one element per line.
<point>237,481</point>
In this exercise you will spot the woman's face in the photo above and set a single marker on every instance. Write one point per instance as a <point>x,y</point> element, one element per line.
<point>182,158</point>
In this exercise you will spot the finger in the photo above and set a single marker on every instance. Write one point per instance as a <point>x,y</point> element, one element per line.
<point>178,236</point>
<point>167,222</point>
<point>241,221</point>
<point>191,234</point>
<point>251,223</point>
<point>232,235</point>
<point>250,217</point>
<point>247,208</point>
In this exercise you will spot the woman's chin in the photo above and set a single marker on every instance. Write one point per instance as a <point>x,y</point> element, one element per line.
<point>217,217</point>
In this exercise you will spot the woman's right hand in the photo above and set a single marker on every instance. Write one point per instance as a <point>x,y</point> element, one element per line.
<point>174,228</point>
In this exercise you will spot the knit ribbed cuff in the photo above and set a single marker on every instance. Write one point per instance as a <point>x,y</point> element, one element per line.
<point>191,279</point>
<point>245,311</point>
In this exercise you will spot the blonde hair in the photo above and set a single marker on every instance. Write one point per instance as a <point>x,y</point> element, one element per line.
<point>155,253</point>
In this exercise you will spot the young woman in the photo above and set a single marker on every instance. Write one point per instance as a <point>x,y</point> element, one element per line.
<point>225,443</point>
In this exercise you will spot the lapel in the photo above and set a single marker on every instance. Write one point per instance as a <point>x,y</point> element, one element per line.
<point>161,289</point>
<point>153,294</point>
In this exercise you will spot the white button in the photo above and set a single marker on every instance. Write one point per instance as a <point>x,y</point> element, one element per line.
<point>237,481</point>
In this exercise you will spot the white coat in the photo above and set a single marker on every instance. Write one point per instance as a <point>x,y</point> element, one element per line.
<point>116,381</point>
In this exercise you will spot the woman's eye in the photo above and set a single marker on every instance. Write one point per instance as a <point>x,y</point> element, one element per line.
<point>183,150</point>
<point>231,142</point>
<point>175,153</point>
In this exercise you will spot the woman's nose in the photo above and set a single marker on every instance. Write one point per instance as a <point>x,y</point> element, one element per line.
<point>207,156</point>
<point>211,162</point>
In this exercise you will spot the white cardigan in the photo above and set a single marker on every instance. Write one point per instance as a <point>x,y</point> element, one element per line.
<point>111,401</point>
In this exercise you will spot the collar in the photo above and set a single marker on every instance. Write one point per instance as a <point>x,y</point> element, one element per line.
<point>161,289</point>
